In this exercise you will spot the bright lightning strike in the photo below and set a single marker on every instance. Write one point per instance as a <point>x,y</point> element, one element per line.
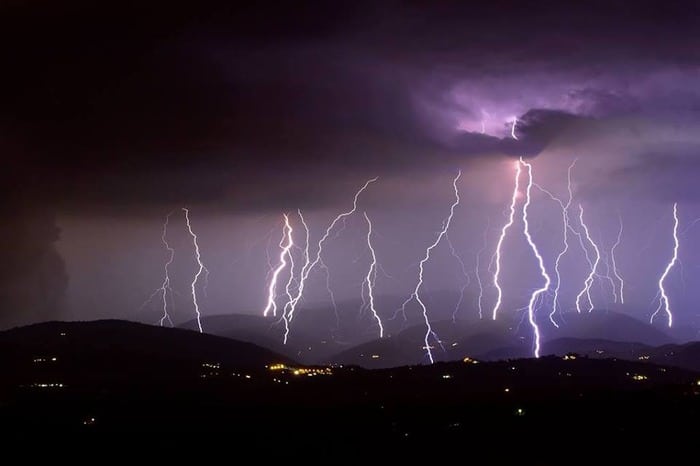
<point>616,272</point>
<point>371,277</point>
<point>290,280</point>
<point>501,238</point>
<point>594,267</point>
<point>165,286</point>
<point>285,316</point>
<point>566,226</point>
<point>663,299</point>
<point>285,246</point>
<point>202,269</point>
<point>512,128</point>
<point>477,272</point>
<point>543,271</point>
<point>309,266</point>
<point>416,292</point>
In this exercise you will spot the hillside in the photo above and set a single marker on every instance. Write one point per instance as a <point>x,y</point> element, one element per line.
<point>95,344</point>
<point>496,340</point>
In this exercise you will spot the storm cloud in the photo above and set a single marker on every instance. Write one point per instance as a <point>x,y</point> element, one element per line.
<point>152,104</point>
<point>115,113</point>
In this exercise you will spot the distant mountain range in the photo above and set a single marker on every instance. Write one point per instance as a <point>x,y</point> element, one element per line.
<point>248,340</point>
<point>493,340</point>
<point>598,334</point>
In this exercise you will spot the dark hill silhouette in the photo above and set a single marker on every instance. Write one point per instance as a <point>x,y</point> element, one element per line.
<point>592,348</point>
<point>595,348</point>
<point>128,341</point>
<point>107,378</point>
<point>686,356</point>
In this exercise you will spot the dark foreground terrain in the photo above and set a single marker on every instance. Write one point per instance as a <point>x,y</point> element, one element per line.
<point>110,377</point>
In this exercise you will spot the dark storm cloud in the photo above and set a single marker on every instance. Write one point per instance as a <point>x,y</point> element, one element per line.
<point>121,104</point>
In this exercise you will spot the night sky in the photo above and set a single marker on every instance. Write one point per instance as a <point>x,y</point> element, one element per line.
<point>113,114</point>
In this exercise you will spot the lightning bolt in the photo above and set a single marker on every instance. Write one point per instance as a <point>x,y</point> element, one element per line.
<point>165,286</point>
<point>663,299</point>
<point>331,294</point>
<point>616,272</point>
<point>499,245</point>
<point>305,255</point>
<point>285,246</point>
<point>416,292</point>
<point>543,271</point>
<point>371,277</point>
<point>512,128</point>
<point>594,265</point>
<point>605,257</point>
<point>200,270</point>
<point>467,280</point>
<point>478,274</point>
<point>306,240</point>
<point>566,227</point>
<point>309,266</point>
<point>290,280</point>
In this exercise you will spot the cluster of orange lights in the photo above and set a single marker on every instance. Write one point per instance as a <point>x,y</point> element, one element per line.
<point>308,371</point>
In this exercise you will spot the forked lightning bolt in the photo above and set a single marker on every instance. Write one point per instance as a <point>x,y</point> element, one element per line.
<point>616,272</point>
<point>663,298</point>
<point>286,244</point>
<point>288,288</point>
<point>371,277</point>
<point>165,286</point>
<point>543,271</point>
<point>605,257</point>
<point>477,272</point>
<point>416,292</point>
<point>594,266</point>
<point>309,266</point>
<point>306,238</point>
<point>501,238</point>
<point>566,227</point>
<point>290,280</point>
<point>200,270</point>
<point>290,256</point>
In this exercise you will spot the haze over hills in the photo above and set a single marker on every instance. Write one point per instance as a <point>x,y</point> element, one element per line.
<point>489,340</point>
<point>268,332</point>
<point>316,337</point>
<point>315,333</point>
